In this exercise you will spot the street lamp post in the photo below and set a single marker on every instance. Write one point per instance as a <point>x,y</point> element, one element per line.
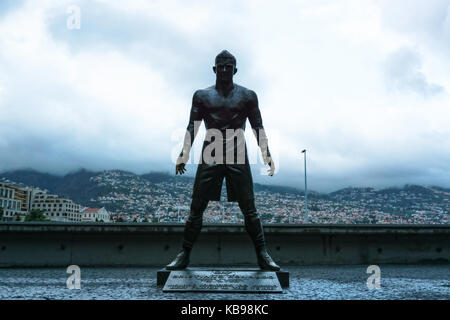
<point>306,192</point>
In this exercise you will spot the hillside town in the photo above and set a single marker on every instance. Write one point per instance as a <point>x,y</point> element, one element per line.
<point>127,197</point>
<point>136,199</point>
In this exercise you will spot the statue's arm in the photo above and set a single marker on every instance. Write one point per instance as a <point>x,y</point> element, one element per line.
<point>254,116</point>
<point>195,120</point>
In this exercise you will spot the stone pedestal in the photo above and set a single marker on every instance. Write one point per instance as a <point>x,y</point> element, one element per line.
<point>223,280</point>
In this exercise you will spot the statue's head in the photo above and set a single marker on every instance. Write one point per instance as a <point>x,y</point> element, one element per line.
<point>225,66</point>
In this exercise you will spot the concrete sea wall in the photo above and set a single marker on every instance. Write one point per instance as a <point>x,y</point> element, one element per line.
<point>50,244</point>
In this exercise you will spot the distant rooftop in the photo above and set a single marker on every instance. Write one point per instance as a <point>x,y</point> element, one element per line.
<point>93,210</point>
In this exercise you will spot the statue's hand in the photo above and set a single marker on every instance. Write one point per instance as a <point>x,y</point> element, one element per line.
<point>271,171</point>
<point>181,163</point>
<point>268,160</point>
<point>180,168</point>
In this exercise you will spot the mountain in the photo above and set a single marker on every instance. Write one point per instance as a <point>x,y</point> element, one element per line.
<point>122,191</point>
<point>157,177</point>
<point>83,186</point>
<point>441,189</point>
<point>160,196</point>
<point>33,178</point>
<point>80,187</point>
<point>352,193</point>
<point>75,186</point>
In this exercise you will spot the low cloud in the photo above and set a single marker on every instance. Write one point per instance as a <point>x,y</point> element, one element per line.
<point>403,72</point>
<point>340,79</point>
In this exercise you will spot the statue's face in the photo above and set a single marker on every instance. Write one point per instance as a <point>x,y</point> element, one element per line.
<point>225,69</point>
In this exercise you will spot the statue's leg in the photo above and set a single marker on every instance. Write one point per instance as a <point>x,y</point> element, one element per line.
<point>194,222</point>
<point>252,222</point>
<point>191,231</point>
<point>254,228</point>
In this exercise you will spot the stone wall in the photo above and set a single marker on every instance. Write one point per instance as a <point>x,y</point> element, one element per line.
<point>52,244</point>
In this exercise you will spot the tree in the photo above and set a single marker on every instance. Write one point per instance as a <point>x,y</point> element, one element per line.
<point>36,215</point>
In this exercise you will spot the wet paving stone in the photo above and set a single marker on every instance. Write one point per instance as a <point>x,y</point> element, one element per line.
<point>306,282</point>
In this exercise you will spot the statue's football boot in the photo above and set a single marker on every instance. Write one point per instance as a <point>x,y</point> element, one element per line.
<point>180,262</point>
<point>265,262</point>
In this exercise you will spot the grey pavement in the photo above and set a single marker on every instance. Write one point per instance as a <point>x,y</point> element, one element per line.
<point>306,282</point>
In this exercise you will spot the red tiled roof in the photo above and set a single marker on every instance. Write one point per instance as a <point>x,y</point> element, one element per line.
<point>91,209</point>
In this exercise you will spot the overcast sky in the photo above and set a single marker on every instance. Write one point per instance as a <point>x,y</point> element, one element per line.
<point>362,85</point>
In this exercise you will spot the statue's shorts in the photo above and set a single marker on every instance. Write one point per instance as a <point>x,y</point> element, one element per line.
<point>209,179</point>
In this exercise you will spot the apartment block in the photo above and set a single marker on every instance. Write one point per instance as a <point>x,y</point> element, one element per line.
<point>14,201</point>
<point>56,208</point>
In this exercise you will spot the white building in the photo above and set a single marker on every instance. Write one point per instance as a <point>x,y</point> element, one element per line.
<point>56,208</point>
<point>14,201</point>
<point>95,214</point>
<point>18,202</point>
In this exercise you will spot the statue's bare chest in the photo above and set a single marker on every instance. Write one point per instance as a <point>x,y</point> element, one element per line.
<point>215,102</point>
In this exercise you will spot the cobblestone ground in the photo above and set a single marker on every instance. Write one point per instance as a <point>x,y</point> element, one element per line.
<point>306,282</point>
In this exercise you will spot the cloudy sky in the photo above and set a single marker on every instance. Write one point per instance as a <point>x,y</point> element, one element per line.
<point>362,85</point>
